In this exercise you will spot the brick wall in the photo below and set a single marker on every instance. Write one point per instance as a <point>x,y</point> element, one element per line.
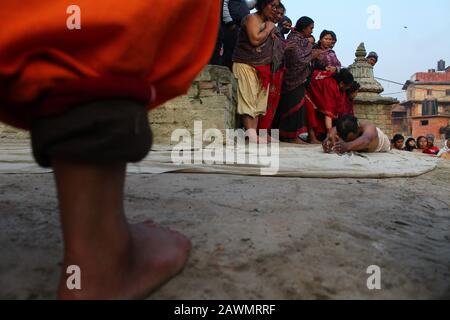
<point>433,76</point>
<point>433,127</point>
<point>211,99</point>
<point>380,115</point>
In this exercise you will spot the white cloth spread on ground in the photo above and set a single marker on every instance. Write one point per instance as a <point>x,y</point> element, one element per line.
<point>294,161</point>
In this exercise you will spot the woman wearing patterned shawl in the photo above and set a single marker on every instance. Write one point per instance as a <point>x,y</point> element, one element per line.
<point>290,118</point>
<point>327,61</point>
<point>324,66</point>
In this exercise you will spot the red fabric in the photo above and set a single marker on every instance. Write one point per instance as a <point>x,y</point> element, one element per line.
<point>348,107</point>
<point>289,134</point>
<point>433,150</point>
<point>316,120</point>
<point>325,94</point>
<point>264,75</point>
<point>265,122</point>
<point>323,98</point>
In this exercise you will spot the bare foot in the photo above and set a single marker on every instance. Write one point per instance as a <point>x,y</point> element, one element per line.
<point>154,256</point>
<point>315,141</point>
<point>299,141</point>
<point>258,140</point>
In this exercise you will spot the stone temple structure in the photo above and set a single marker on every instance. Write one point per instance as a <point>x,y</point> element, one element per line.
<point>369,104</point>
<point>212,99</point>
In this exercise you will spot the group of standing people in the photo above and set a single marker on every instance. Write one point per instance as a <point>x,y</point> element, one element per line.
<point>293,84</point>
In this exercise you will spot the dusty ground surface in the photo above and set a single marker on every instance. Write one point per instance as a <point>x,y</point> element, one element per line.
<point>256,237</point>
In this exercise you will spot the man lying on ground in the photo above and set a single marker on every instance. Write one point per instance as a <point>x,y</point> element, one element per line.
<point>353,135</point>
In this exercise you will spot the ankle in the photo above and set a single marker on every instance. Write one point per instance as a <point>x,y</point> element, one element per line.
<point>94,253</point>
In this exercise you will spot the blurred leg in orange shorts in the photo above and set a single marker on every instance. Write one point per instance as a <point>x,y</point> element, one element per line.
<point>84,95</point>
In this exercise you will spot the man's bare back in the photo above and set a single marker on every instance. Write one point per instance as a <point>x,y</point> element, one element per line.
<point>364,139</point>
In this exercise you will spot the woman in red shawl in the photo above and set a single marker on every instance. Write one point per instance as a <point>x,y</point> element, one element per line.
<point>325,101</point>
<point>84,94</point>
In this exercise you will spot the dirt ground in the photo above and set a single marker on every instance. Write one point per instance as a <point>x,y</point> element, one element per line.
<point>256,237</point>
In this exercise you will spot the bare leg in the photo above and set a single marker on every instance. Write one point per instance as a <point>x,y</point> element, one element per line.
<point>117,261</point>
<point>251,125</point>
<point>313,138</point>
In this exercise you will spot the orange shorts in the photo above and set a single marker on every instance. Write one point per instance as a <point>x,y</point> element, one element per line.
<point>164,43</point>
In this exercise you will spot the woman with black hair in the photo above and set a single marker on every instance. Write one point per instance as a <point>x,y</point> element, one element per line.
<point>327,61</point>
<point>275,72</point>
<point>252,66</point>
<point>284,26</point>
<point>290,118</point>
<point>410,145</point>
<point>324,100</point>
<point>422,144</point>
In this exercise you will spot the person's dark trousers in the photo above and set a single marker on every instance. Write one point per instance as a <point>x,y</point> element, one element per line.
<point>229,43</point>
<point>216,58</point>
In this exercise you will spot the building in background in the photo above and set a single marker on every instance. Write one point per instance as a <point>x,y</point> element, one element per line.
<point>427,109</point>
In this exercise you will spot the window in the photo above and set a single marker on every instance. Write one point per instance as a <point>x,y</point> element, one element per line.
<point>429,108</point>
<point>424,123</point>
<point>429,92</point>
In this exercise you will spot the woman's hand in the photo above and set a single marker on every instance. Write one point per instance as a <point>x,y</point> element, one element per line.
<point>331,140</point>
<point>256,33</point>
<point>270,26</point>
<point>316,53</point>
<point>327,145</point>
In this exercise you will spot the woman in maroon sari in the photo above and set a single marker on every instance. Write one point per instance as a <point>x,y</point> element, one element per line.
<point>324,66</point>
<point>325,99</point>
<point>290,118</point>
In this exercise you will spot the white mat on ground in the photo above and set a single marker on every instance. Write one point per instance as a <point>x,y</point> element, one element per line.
<point>294,161</point>
<point>304,161</point>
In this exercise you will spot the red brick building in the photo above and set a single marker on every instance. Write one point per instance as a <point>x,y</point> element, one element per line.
<point>427,109</point>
